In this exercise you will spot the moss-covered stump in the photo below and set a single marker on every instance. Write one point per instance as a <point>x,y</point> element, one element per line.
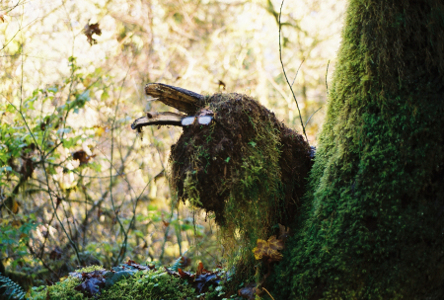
<point>244,161</point>
<point>246,167</point>
<point>243,165</point>
<point>373,220</point>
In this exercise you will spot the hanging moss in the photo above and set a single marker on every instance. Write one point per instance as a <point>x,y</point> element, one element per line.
<point>246,167</point>
<point>373,217</point>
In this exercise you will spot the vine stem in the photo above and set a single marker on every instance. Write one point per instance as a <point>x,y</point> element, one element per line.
<point>285,73</point>
<point>268,293</point>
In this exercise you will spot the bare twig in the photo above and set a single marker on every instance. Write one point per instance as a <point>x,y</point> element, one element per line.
<point>312,116</point>
<point>125,233</point>
<point>326,74</point>
<point>285,74</point>
<point>296,75</point>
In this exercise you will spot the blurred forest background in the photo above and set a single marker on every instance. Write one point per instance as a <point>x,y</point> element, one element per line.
<point>77,185</point>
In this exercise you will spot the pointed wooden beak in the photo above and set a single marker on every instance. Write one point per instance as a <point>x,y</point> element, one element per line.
<point>183,100</point>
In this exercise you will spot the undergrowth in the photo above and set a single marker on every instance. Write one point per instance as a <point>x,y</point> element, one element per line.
<point>10,290</point>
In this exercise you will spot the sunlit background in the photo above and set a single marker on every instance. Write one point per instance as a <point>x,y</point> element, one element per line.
<point>94,191</point>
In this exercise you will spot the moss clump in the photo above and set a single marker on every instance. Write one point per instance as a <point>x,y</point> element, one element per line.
<point>372,224</point>
<point>150,285</point>
<point>63,290</point>
<point>143,285</point>
<point>246,167</point>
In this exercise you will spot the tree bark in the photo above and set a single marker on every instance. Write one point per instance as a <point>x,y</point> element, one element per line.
<point>373,218</point>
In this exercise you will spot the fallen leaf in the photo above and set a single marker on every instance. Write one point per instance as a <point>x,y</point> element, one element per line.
<point>90,287</point>
<point>200,269</point>
<point>184,274</point>
<point>248,292</point>
<point>133,264</point>
<point>92,282</point>
<point>269,249</point>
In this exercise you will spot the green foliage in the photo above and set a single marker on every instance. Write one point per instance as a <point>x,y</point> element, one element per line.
<point>35,136</point>
<point>15,234</point>
<point>10,290</point>
<point>372,221</point>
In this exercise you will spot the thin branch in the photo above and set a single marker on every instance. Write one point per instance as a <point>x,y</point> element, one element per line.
<point>285,74</point>
<point>326,74</point>
<point>268,293</point>
<point>312,116</point>
<point>296,75</point>
<point>125,234</point>
<point>58,219</point>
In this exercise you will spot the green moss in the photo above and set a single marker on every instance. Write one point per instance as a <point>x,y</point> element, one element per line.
<point>146,285</point>
<point>373,217</point>
<point>150,285</point>
<point>63,290</point>
<point>89,269</point>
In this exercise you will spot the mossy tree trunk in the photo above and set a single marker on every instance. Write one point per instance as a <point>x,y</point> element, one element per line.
<point>373,219</point>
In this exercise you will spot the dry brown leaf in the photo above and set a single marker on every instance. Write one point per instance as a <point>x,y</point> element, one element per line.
<point>269,249</point>
<point>249,292</point>
<point>91,29</point>
<point>82,156</point>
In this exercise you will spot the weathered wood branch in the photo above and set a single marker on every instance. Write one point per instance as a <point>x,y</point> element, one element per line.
<point>181,99</point>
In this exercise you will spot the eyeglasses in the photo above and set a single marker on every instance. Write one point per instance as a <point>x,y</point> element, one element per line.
<point>202,120</point>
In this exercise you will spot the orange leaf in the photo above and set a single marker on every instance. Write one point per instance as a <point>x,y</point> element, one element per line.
<point>269,249</point>
<point>15,206</point>
<point>260,250</point>
<point>200,269</point>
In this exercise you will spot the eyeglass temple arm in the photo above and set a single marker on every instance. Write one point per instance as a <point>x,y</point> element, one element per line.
<point>165,118</point>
